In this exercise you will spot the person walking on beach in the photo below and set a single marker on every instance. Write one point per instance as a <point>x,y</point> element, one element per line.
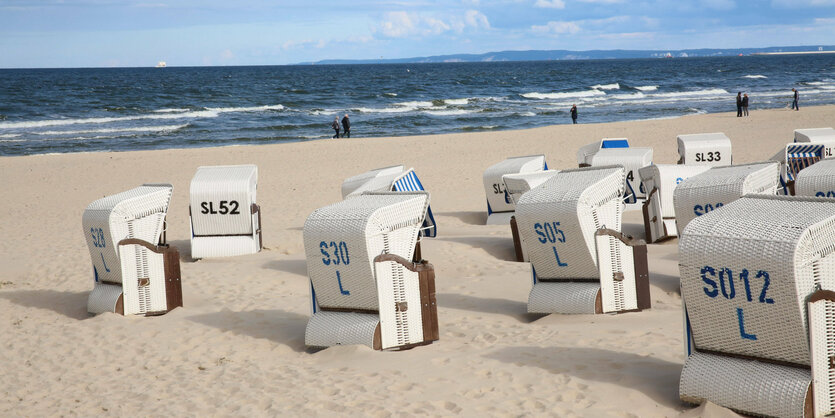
<point>745,104</point>
<point>795,106</point>
<point>574,113</point>
<point>739,105</point>
<point>346,127</point>
<point>335,126</point>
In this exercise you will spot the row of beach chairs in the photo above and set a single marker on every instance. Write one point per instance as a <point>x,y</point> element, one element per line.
<point>757,269</point>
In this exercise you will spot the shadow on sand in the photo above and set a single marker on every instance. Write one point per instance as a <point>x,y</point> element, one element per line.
<point>656,378</point>
<point>69,304</point>
<point>495,246</point>
<point>469,218</point>
<point>184,247</point>
<point>290,266</point>
<point>514,309</point>
<point>279,326</point>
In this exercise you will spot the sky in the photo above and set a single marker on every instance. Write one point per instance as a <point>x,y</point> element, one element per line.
<point>139,33</point>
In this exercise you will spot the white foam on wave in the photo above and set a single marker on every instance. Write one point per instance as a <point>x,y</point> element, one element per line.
<point>160,128</point>
<point>457,102</point>
<point>754,76</point>
<point>208,113</point>
<point>708,92</point>
<point>170,110</point>
<point>526,114</point>
<point>383,110</point>
<point>647,88</point>
<point>631,96</point>
<point>450,112</point>
<point>415,104</point>
<point>613,86</point>
<point>9,135</point>
<point>390,94</point>
<point>12,140</point>
<point>573,94</point>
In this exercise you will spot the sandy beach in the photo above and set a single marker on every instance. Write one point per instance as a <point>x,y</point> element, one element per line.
<point>237,346</point>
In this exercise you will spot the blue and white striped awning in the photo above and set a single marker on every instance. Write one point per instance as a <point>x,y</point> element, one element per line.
<point>409,182</point>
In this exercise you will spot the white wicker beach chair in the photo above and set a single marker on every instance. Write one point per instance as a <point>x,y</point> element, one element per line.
<point>585,152</point>
<point>515,186</point>
<point>225,220</point>
<point>365,286</point>
<point>660,180</point>
<point>817,180</point>
<point>794,158</point>
<point>391,179</point>
<point>825,136</point>
<point>580,261</point>
<point>757,281</point>
<point>632,159</point>
<point>719,186</point>
<point>499,205</point>
<point>376,180</point>
<point>135,272</point>
<point>705,149</point>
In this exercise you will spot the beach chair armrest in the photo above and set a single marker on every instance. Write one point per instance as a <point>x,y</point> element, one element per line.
<point>412,266</point>
<point>627,240</point>
<point>822,350</point>
<point>134,241</point>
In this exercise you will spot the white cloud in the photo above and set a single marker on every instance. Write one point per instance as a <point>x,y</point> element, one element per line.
<point>550,4</point>
<point>402,24</point>
<point>602,1</point>
<point>557,28</point>
<point>801,3</point>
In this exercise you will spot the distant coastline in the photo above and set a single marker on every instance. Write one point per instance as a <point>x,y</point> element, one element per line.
<point>551,55</point>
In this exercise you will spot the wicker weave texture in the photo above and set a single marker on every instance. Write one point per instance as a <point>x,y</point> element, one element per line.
<point>719,186</point>
<point>137,213</point>
<point>558,219</point>
<point>208,247</point>
<point>497,199</point>
<point>632,159</point>
<point>663,178</point>
<point>822,339</point>
<point>519,183</point>
<point>400,314</point>
<point>748,386</point>
<point>713,149</point>
<point>376,180</point>
<point>563,297</point>
<point>586,152</point>
<point>824,136</point>
<point>326,329</point>
<point>817,180</point>
<point>220,199</point>
<point>139,263</point>
<point>747,270</point>
<point>103,298</point>
<point>617,274</point>
<point>342,239</point>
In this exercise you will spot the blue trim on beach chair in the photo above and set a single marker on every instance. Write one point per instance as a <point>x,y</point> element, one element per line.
<point>614,143</point>
<point>410,182</point>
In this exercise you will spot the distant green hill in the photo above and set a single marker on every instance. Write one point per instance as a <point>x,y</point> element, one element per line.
<point>559,54</point>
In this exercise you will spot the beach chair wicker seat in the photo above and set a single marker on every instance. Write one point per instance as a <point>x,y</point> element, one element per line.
<point>580,261</point>
<point>365,287</point>
<point>391,179</point>
<point>712,149</point>
<point>719,186</point>
<point>794,158</point>
<point>499,205</point>
<point>825,136</point>
<point>516,185</point>
<point>225,218</point>
<point>632,159</point>
<point>817,180</point>
<point>135,272</point>
<point>586,152</point>
<point>660,180</point>
<point>757,281</point>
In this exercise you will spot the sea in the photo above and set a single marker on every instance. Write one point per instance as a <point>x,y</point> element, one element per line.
<point>120,109</point>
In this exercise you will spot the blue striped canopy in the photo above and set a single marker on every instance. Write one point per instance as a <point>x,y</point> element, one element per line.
<point>410,182</point>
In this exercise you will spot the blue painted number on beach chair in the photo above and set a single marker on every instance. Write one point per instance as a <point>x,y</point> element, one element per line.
<point>726,287</point>
<point>338,257</point>
<point>550,234</point>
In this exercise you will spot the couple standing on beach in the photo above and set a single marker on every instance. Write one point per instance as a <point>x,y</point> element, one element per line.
<point>741,105</point>
<point>346,126</point>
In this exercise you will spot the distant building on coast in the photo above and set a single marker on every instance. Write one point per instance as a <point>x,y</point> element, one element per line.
<point>161,64</point>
